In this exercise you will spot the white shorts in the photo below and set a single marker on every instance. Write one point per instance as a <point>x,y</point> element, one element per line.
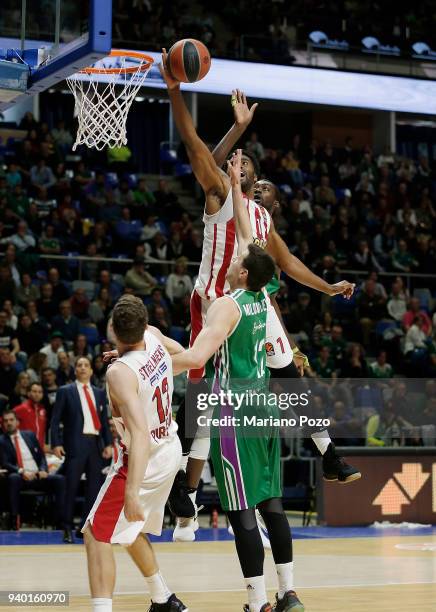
<point>107,518</point>
<point>278,350</point>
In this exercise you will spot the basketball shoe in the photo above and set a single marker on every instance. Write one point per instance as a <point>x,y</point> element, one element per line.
<point>335,468</point>
<point>289,602</point>
<point>265,608</point>
<point>262,530</point>
<point>172,605</point>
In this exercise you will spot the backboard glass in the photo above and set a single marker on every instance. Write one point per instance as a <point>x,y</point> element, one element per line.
<point>68,34</point>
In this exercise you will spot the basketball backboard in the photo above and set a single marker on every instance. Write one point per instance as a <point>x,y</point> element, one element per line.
<point>51,40</point>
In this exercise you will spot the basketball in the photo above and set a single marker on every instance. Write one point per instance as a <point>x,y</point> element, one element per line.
<point>188,60</point>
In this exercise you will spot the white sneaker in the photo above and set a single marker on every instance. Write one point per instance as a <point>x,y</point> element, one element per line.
<point>262,530</point>
<point>185,529</point>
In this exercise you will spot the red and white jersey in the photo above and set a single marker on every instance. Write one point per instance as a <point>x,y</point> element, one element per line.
<point>154,371</point>
<point>220,245</point>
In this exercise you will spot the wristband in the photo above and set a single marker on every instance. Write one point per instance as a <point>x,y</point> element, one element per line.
<point>296,351</point>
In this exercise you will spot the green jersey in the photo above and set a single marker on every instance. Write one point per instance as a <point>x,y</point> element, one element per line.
<point>241,360</point>
<point>274,285</point>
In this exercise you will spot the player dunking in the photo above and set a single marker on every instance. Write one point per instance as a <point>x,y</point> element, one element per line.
<point>218,248</point>
<point>132,499</point>
<point>247,467</point>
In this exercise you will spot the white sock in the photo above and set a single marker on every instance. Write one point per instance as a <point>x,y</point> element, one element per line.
<point>184,462</point>
<point>285,575</point>
<point>159,592</point>
<point>322,440</point>
<point>256,591</point>
<point>101,604</point>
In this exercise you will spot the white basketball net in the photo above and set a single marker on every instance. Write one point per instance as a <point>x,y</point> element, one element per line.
<point>102,102</point>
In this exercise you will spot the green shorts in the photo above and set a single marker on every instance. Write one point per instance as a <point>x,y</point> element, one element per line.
<point>246,456</point>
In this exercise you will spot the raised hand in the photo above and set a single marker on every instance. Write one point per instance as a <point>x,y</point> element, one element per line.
<point>234,168</point>
<point>163,67</point>
<point>242,112</point>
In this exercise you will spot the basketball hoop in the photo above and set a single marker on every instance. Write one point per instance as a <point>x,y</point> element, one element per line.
<point>103,95</point>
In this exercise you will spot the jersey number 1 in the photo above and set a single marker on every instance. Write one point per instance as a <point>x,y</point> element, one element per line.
<point>157,395</point>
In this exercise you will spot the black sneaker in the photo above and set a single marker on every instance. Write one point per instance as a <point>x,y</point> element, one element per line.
<point>335,468</point>
<point>289,601</point>
<point>265,608</point>
<point>172,605</point>
<point>179,501</point>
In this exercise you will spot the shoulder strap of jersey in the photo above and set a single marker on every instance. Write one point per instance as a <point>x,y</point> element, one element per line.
<point>234,297</point>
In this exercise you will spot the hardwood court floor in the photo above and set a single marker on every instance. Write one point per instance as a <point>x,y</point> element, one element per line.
<point>332,575</point>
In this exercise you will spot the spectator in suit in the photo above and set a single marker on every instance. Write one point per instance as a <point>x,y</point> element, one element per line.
<point>86,442</point>
<point>27,468</point>
<point>32,414</point>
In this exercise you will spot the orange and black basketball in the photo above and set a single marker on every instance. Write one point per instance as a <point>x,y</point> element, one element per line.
<point>188,60</point>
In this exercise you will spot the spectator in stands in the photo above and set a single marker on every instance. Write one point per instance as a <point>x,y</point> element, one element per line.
<point>8,337</point>
<point>86,440</point>
<point>302,315</point>
<point>176,246</point>
<point>324,365</point>
<point>397,303</point>
<point>324,194</point>
<point>128,230</point>
<point>138,279</point>
<point>354,364</point>
<point>179,283</point>
<point>336,343</point>
<point>27,469</point>
<point>62,137</point>
<point>99,372</point>
<point>7,285</point>
<point>381,368</point>
<point>48,381</point>
<point>100,308</point>
<point>23,240</point>
<point>80,349</point>
<point>255,147</point>
<point>32,414</point>
<point>41,176</point>
<point>370,309</point>
<point>151,228</point>
<point>415,344</point>
<point>106,282</point>
<point>29,336</point>
<point>49,243</point>
<point>413,311</point>
<point>8,373</point>
<point>28,122</point>
<point>165,198</point>
<point>47,307</point>
<point>21,390</point>
<point>402,259</point>
<point>364,258</point>
<point>80,304</point>
<point>11,317</point>
<point>143,196</point>
<point>11,261</point>
<point>26,291</point>
<point>385,429</point>
<point>65,373</point>
<point>35,365</point>
<point>59,290</point>
<point>55,346</point>
<point>38,322</point>
<point>160,319</point>
<point>66,322</point>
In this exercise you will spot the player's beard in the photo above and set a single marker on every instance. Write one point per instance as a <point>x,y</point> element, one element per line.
<point>247,185</point>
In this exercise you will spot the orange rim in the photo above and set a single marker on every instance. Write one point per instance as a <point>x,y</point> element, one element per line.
<point>148,61</point>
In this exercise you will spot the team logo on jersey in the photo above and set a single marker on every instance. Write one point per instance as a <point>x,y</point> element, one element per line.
<point>269,347</point>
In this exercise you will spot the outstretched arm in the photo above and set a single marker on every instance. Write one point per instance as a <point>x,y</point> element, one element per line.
<point>207,173</point>
<point>296,269</point>
<point>172,346</point>
<point>243,115</point>
<point>244,233</point>
<point>221,318</point>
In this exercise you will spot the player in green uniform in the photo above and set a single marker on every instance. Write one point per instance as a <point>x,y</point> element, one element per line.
<point>247,466</point>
